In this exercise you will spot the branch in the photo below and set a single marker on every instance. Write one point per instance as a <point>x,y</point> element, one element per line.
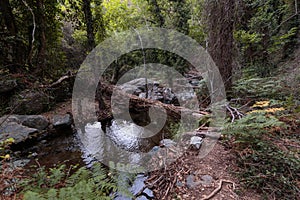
<point>234,111</point>
<point>289,18</point>
<point>33,30</point>
<point>218,189</point>
<point>61,79</point>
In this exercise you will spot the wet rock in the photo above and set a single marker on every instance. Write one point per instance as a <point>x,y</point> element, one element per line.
<point>62,121</point>
<point>135,85</point>
<point>155,91</point>
<point>168,96</point>
<point>17,131</point>
<point>196,142</point>
<point>30,102</point>
<point>167,143</point>
<point>7,85</point>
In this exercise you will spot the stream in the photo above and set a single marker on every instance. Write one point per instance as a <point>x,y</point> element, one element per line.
<point>91,145</point>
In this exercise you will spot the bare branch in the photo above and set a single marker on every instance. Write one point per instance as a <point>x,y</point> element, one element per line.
<point>33,30</point>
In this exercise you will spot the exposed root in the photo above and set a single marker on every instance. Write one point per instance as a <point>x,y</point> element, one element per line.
<point>218,189</point>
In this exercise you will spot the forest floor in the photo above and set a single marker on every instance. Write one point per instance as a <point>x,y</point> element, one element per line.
<point>220,164</point>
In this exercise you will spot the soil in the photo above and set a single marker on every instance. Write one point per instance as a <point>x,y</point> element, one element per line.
<point>219,164</point>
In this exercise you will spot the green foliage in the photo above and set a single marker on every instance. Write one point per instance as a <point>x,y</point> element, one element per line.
<point>196,22</point>
<point>261,36</point>
<point>263,166</point>
<point>4,147</point>
<point>259,87</point>
<point>122,15</point>
<point>57,184</point>
<point>250,129</point>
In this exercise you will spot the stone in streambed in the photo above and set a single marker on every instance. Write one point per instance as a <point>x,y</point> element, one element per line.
<point>62,121</point>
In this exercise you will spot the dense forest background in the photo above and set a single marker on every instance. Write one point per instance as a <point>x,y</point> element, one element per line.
<point>47,38</point>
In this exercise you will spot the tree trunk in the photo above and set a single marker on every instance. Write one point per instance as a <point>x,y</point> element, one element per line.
<point>10,24</point>
<point>89,23</point>
<point>220,36</point>
<point>42,35</point>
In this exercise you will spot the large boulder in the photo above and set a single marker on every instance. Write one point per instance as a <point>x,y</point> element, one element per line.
<point>7,85</point>
<point>32,121</point>
<point>155,90</point>
<point>29,102</point>
<point>15,130</point>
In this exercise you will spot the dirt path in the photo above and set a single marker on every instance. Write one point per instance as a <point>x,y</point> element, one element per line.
<point>219,165</point>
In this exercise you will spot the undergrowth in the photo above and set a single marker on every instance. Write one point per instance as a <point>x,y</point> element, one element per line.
<point>262,164</point>
<point>56,184</point>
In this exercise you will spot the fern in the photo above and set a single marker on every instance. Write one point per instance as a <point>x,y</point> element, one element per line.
<point>249,130</point>
<point>83,184</point>
<point>263,166</point>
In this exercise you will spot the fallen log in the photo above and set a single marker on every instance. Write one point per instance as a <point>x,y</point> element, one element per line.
<point>137,104</point>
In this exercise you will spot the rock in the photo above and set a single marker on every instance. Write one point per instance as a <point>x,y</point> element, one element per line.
<point>190,181</point>
<point>196,142</point>
<point>149,193</point>
<point>7,85</point>
<point>168,96</point>
<point>29,102</point>
<point>167,143</point>
<point>206,179</point>
<point>154,149</point>
<point>62,121</point>
<point>136,84</point>
<point>32,121</point>
<point>17,131</point>
<point>9,118</point>
<point>20,163</point>
<point>142,198</point>
<point>179,183</point>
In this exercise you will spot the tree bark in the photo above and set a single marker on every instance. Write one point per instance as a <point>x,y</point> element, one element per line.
<point>10,24</point>
<point>220,36</point>
<point>89,23</point>
<point>42,35</point>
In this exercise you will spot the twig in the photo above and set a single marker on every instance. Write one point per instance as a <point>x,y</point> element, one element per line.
<point>167,191</point>
<point>218,189</point>
<point>288,19</point>
<point>234,111</point>
<point>61,79</point>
